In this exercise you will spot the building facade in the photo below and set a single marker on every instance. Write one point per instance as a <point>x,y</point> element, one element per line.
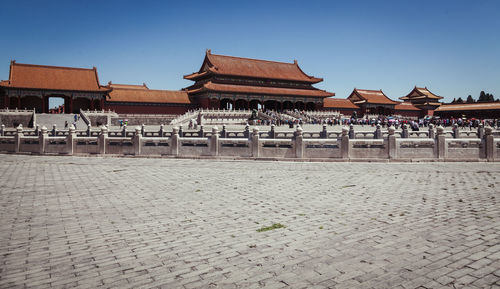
<point>31,86</point>
<point>222,82</point>
<point>423,99</point>
<point>229,82</point>
<point>372,102</point>
<point>487,110</point>
<point>139,99</point>
<point>342,105</point>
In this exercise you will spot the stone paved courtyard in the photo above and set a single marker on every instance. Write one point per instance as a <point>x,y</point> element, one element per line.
<point>141,223</point>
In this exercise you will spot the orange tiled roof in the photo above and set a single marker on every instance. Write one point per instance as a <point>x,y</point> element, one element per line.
<point>148,96</point>
<point>338,103</point>
<point>129,86</point>
<point>372,96</point>
<point>53,77</point>
<point>405,106</point>
<point>423,92</point>
<point>247,67</point>
<point>469,106</point>
<point>210,86</point>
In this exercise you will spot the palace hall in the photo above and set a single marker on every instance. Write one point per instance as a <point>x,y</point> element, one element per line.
<point>229,82</point>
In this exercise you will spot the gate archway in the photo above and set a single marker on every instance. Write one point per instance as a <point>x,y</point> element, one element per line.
<point>299,105</point>
<point>310,106</point>
<point>30,102</point>
<point>226,103</point>
<point>255,104</point>
<point>240,104</point>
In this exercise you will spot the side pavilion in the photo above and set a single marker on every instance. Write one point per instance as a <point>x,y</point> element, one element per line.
<point>31,86</point>
<point>372,102</point>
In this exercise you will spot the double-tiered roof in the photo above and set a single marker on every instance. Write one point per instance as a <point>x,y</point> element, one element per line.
<point>254,68</point>
<point>229,74</point>
<point>421,96</point>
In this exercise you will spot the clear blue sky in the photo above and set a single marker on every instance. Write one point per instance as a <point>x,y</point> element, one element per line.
<point>452,47</point>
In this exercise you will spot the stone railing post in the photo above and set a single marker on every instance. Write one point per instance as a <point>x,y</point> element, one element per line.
<point>378,132</point>
<point>143,129</point>
<point>391,143</point>
<point>344,143</point>
<point>456,132</point>
<point>17,140</point>
<point>124,131</point>
<point>404,132</point>
<point>352,135</point>
<point>162,130</point>
<point>37,130</point>
<point>432,133</point>
<point>103,137</point>
<point>54,130</point>
<point>42,139</point>
<point>137,140</point>
<point>224,131</point>
<point>299,143</point>
<point>255,142</point>
<point>181,131</point>
<point>174,143</point>
<point>480,131</point>
<point>201,132</point>
<point>2,130</point>
<point>489,144</point>
<point>214,141</point>
<point>70,140</point>
<point>272,132</point>
<point>323,133</point>
<point>89,130</point>
<point>440,143</point>
<point>246,133</point>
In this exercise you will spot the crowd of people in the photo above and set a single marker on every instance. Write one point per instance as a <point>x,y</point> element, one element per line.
<point>279,119</point>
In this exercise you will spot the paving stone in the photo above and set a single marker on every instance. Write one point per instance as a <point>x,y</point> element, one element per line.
<point>170,223</point>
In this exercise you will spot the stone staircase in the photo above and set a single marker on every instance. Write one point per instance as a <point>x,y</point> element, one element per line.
<point>48,120</point>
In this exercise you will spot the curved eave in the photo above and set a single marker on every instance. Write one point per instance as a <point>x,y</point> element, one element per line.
<point>214,71</point>
<point>196,75</point>
<point>212,67</point>
<point>264,90</point>
<point>312,79</point>
<point>415,89</point>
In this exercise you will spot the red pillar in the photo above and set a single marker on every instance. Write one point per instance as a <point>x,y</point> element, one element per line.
<point>71,104</point>
<point>5,101</point>
<point>92,104</point>
<point>18,102</point>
